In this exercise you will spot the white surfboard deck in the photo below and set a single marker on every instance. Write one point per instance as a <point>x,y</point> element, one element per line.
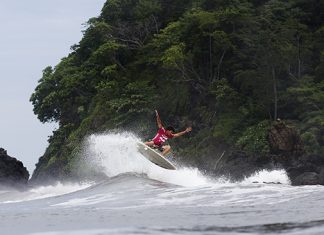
<point>154,156</point>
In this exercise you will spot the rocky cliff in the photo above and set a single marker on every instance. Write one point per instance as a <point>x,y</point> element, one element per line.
<point>286,152</point>
<point>302,168</point>
<point>12,171</point>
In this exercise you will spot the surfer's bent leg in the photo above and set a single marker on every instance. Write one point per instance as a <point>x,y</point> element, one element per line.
<point>166,149</point>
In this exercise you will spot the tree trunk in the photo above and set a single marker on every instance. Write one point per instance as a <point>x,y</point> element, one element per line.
<point>219,65</point>
<point>299,60</point>
<point>210,59</point>
<point>275,92</point>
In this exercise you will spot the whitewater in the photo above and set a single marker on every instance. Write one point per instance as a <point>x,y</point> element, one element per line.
<point>137,197</point>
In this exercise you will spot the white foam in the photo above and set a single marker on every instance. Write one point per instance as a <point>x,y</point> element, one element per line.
<point>58,189</point>
<point>115,154</point>
<point>48,191</point>
<point>267,176</point>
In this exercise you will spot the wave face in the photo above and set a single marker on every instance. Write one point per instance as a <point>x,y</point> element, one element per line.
<point>138,197</point>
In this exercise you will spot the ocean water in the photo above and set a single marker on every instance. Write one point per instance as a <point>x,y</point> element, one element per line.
<point>138,197</point>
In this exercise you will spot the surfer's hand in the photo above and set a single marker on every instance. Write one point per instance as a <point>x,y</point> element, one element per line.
<point>156,113</point>
<point>188,129</point>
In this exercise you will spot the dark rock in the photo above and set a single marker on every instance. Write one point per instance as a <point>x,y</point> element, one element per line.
<point>300,165</point>
<point>321,176</point>
<point>284,139</point>
<point>238,165</point>
<point>12,171</point>
<point>307,178</point>
<point>302,168</point>
<point>3,152</point>
<point>286,152</point>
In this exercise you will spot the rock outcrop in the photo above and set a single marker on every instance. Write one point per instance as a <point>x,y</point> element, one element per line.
<point>286,151</point>
<point>302,168</point>
<point>12,172</point>
<point>284,140</point>
<point>238,164</point>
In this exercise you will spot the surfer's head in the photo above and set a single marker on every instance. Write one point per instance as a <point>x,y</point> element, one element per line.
<point>169,130</point>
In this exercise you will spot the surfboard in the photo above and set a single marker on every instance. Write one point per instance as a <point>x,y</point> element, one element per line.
<point>154,156</point>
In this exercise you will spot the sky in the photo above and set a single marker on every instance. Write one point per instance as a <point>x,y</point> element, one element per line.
<point>34,34</point>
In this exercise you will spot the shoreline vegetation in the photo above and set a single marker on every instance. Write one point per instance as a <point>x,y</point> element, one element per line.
<point>230,69</point>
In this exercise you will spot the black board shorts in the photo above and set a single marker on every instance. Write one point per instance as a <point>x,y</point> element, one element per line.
<point>158,147</point>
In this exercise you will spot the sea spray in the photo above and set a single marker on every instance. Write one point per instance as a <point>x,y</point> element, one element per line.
<point>40,192</point>
<point>112,154</point>
<point>268,176</point>
<point>116,153</point>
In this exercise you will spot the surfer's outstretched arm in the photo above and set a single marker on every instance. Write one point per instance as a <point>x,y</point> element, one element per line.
<point>182,132</point>
<point>158,120</point>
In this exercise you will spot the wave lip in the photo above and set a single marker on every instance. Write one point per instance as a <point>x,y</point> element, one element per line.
<point>42,192</point>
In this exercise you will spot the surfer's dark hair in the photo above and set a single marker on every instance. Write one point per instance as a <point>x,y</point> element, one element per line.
<point>170,128</point>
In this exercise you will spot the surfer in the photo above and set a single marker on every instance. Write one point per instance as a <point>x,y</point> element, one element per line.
<point>163,135</point>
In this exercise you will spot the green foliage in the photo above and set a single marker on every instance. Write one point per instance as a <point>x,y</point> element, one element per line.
<point>44,99</point>
<point>309,95</point>
<point>227,125</point>
<point>311,142</point>
<point>224,94</point>
<point>136,99</point>
<point>254,138</point>
<point>173,57</point>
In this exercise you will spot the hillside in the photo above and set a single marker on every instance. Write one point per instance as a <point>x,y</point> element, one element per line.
<point>226,68</point>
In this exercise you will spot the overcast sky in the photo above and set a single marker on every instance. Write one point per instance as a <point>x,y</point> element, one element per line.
<point>33,35</point>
